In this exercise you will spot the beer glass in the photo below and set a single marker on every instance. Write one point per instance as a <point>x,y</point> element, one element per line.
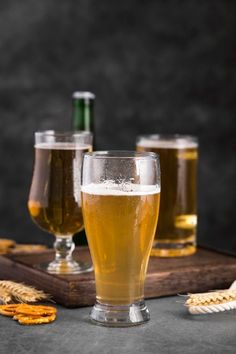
<point>120,203</point>
<point>176,231</point>
<point>55,195</point>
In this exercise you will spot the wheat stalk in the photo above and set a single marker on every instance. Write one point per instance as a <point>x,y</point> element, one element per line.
<point>201,310</point>
<point>11,291</point>
<point>5,297</point>
<point>215,301</point>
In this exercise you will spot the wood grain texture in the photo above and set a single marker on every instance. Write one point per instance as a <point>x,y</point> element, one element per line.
<point>206,270</point>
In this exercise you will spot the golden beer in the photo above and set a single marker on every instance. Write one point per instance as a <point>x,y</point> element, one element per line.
<point>120,227</point>
<point>176,231</point>
<point>55,197</point>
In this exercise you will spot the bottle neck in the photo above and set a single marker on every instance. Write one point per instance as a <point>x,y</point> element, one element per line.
<point>83,118</point>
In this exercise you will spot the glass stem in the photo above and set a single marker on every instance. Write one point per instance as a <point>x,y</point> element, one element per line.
<point>64,246</point>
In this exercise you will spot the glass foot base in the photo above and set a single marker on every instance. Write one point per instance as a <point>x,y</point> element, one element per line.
<point>65,267</point>
<point>120,316</point>
<point>173,249</point>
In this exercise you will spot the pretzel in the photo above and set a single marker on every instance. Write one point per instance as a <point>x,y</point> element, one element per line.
<point>29,314</point>
<point>8,310</point>
<point>24,248</point>
<point>35,310</point>
<point>6,243</point>
<point>3,251</point>
<point>31,320</point>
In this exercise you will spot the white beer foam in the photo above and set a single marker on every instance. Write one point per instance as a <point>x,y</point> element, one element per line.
<point>167,144</point>
<point>63,146</point>
<point>115,189</point>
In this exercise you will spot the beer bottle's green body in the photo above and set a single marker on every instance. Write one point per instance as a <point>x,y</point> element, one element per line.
<point>83,120</point>
<point>83,111</point>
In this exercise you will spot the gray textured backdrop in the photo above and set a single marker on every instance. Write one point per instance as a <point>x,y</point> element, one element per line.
<point>155,66</point>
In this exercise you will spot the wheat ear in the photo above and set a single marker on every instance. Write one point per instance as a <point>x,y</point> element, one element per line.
<point>20,292</point>
<point>215,301</point>
<point>5,297</point>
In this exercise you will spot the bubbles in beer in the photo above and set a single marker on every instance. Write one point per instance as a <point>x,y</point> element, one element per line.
<point>120,222</point>
<point>178,209</point>
<point>55,195</point>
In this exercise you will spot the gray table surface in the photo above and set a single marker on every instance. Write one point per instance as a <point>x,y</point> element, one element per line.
<point>170,330</point>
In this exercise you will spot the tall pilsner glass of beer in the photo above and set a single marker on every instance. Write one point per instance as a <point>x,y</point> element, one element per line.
<point>120,204</point>
<point>176,231</point>
<point>55,195</point>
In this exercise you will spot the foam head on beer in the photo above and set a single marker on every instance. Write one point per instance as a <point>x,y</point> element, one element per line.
<point>116,189</point>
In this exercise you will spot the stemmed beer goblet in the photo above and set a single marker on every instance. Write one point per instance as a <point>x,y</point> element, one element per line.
<point>55,195</point>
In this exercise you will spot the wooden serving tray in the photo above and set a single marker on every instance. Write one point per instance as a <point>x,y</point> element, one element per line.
<point>206,270</point>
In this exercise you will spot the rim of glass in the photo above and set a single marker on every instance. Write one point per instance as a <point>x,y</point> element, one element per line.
<point>59,133</point>
<point>169,137</point>
<point>124,154</point>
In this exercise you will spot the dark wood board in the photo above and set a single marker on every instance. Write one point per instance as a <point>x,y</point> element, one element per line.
<point>206,270</point>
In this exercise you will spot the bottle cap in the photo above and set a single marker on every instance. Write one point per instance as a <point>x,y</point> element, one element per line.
<point>83,94</point>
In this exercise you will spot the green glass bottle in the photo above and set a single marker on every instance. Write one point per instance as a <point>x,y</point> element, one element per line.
<point>83,119</point>
<point>83,111</point>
